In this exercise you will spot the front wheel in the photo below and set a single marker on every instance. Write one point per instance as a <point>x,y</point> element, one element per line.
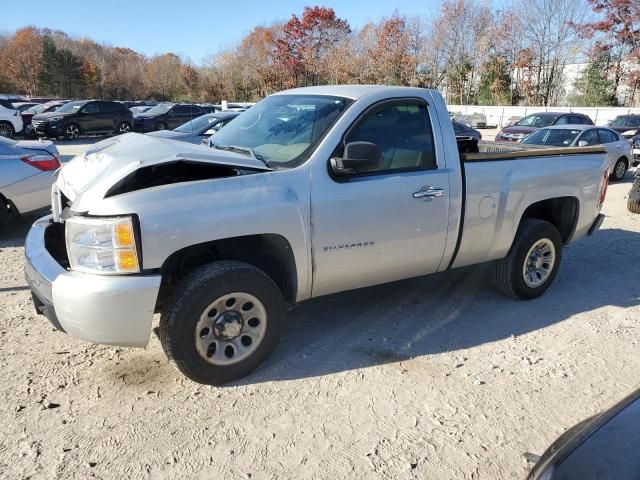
<point>532,262</point>
<point>222,322</point>
<point>161,126</point>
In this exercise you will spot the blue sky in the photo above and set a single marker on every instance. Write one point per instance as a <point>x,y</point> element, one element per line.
<point>193,28</point>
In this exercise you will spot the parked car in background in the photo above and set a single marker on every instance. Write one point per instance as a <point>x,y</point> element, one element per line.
<point>602,447</point>
<point>618,149</point>
<point>627,125</point>
<point>530,123</point>
<point>26,175</point>
<point>198,130</point>
<point>10,119</point>
<point>513,119</point>
<point>467,138</point>
<point>140,109</point>
<point>83,117</point>
<point>28,114</point>
<point>166,116</point>
<point>209,107</point>
<point>302,196</point>
<point>22,106</point>
<point>473,120</point>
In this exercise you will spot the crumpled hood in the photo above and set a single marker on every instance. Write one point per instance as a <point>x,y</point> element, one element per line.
<point>88,177</point>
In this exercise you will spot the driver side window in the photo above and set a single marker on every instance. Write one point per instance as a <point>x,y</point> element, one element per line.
<point>402,131</point>
<point>90,108</point>
<point>590,136</point>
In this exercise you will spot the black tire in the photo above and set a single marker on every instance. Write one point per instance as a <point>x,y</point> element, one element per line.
<point>191,299</point>
<point>4,215</point>
<point>72,131</point>
<point>510,278</point>
<point>7,130</point>
<point>123,127</point>
<point>161,126</point>
<point>619,169</point>
<point>633,202</point>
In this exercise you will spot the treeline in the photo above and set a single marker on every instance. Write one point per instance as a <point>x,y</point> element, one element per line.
<point>473,54</point>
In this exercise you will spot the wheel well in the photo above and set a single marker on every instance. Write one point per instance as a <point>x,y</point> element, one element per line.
<point>9,205</point>
<point>271,253</point>
<point>561,212</point>
<point>625,159</point>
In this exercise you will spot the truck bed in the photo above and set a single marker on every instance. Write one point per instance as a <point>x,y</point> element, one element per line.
<point>493,151</point>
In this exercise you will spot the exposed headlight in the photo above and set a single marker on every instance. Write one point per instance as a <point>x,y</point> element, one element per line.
<point>102,245</point>
<point>56,119</point>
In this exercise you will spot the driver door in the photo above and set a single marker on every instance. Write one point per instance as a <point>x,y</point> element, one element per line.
<point>388,223</point>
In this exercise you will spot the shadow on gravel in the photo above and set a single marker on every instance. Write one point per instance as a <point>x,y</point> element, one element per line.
<point>446,312</point>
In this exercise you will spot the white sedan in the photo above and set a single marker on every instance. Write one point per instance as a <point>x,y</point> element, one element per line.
<point>618,148</point>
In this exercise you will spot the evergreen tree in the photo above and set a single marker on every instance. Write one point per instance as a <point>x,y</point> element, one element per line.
<point>594,87</point>
<point>495,82</point>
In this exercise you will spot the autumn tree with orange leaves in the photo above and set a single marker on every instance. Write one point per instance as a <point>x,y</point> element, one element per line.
<point>21,59</point>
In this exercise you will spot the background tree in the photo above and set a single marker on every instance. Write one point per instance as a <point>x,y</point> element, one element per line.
<point>594,87</point>
<point>617,45</point>
<point>22,59</point>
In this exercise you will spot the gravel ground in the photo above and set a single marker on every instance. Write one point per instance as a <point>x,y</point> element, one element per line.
<point>436,377</point>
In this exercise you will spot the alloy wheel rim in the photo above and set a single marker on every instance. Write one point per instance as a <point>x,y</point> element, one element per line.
<point>620,170</point>
<point>72,131</point>
<point>5,131</point>
<point>539,263</point>
<point>124,128</point>
<point>230,328</point>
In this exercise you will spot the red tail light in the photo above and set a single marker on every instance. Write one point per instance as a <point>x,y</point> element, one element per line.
<point>603,191</point>
<point>44,162</point>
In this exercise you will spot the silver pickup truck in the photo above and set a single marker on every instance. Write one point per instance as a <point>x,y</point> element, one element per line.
<point>312,191</point>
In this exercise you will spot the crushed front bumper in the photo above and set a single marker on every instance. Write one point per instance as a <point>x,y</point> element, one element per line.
<point>113,310</point>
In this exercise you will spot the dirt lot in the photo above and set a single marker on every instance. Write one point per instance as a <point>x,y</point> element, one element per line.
<point>438,377</point>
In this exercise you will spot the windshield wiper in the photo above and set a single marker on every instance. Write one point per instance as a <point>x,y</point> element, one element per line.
<point>242,150</point>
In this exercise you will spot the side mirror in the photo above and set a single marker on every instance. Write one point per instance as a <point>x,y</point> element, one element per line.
<point>209,132</point>
<point>358,157</point>
<point>583,143</point>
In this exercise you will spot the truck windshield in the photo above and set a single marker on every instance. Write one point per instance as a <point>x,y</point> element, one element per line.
<point>282,130</point>
<point>557,137</point>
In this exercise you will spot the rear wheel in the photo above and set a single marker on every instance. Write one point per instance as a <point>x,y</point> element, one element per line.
<point>222,322</point>
<point>619,169</point>
<point>124,127</point>
<point>72,131</point>
<point>532,262</point>
<point>6,130</point>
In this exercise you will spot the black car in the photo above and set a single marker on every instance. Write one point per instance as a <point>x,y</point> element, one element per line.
<point>605,446</point>
<point>83,117</point>
<point>626,123</point>
<point>467,138</point>
<point>166,116</point>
